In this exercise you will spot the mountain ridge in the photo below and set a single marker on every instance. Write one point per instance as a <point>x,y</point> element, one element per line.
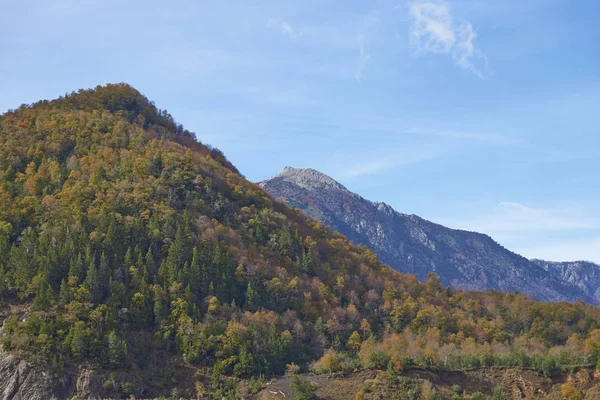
<point>408,243</point>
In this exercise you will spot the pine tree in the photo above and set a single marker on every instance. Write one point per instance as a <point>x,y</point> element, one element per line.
<point>285,241</point>
<point>150,264</point>
<point>251,298</point>
<point>112,241</point>
<point>194,276</point>
<point>64,293</point>
<point>76,268</point>
<point>117,350</point>
<point>175,258</point>
<point>43,294</point>
<point>103,275</point>
<point>128,259</point>
<point>92,282</point>
<point>308,261</point>
<point>3,282</point>
<point>160,308</point>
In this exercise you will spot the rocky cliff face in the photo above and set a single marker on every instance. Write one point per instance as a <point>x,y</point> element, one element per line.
<point>583,274</point>
<point>408,243</point>
<point>22,380</point>
<point>19,380</point>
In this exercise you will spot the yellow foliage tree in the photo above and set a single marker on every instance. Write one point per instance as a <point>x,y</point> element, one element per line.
<point>354,342</point>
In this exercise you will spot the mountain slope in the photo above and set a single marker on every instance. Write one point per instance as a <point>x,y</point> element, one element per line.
<point>465,260</point>
<point>135,260</point>
<point>584,274</point>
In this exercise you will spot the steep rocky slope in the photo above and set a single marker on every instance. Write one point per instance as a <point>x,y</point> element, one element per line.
<point>408,243</point>
<point>583,274</point>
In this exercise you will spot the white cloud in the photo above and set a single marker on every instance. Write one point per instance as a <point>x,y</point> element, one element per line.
<point>364,57</point>
<point>363,40</point>
<point>434,30</point>
<point>285,28</point>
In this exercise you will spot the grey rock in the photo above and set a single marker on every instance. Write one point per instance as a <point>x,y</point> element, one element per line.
<point>20,381</point>
<point>408,243</point>
<point>583,274</point>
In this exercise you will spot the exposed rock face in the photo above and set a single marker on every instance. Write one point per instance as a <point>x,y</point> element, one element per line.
<point>408,243</point>
<point>19,381</point>
<point>584,274</point>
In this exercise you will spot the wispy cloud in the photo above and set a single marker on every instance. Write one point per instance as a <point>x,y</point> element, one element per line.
<point>550,233</point>
<point>292,97</point>
<point>514,217</point>
<point>284,26</point>
<point>483,137</point>
<point>434,30</point>
<point>363,40</point>
<point>348,167</point>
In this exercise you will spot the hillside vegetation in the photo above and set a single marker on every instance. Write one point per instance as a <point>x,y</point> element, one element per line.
<point>123,240</point>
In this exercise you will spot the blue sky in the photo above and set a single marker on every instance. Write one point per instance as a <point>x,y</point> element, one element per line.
<point>481,115</point>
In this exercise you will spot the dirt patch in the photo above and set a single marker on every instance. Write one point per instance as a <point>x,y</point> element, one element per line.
<point>515,384</point>
<point>328,388</point>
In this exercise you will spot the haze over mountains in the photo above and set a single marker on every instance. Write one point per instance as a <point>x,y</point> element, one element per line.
<point>408,243</point>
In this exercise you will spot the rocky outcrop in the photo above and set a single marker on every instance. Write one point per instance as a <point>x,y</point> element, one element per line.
<point>20,381</point>
<point>408,243</point>
<point>583,274</point>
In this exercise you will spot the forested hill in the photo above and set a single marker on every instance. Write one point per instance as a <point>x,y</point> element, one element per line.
<point>135,260</point>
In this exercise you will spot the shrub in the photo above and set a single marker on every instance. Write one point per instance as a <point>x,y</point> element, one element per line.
<point>302,389</point>
<point>330,363</point>
<point>127,389</point>
<point>361,394</point>
<point>378,359</point>
<point>570,392</point>
<point>477,396</point>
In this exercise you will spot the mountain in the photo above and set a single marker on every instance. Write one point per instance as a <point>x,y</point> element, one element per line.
<point>583,274</point>
<point>137,261</point>
<point>408,243</point>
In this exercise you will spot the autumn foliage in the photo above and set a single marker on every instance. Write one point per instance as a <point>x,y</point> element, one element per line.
<point>125,236</point>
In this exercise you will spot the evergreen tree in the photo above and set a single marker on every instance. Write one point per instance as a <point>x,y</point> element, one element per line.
<point>175,258</point>
<point>104,273</point>
<point>92,283</point>
<point>252,298</point>
<point>308,261</point>
<point>64,293</point>
<point>117,350</point>
<point>77,269</point>
<point>128,259</point>
<point>195,277</point>
<point>150,264</point>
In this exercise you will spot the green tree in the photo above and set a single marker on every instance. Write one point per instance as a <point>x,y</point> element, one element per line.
<point>252,298</point>
<point>92,283</point>
<point>117,350</point>
<point>302,389</point>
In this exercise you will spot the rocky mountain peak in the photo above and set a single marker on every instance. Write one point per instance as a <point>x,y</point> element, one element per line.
<point>385,208</point>
<point>411,244</point>
<point>307,178</point>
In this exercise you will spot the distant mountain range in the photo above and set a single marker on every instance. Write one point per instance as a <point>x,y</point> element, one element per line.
<point>408,243</point>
